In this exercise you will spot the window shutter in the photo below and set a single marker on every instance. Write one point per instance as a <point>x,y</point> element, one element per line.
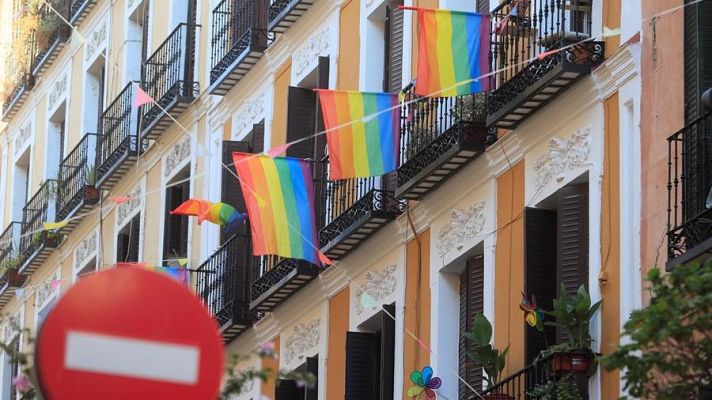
<point>539,272</point>
<point>134,238</point>
<point>257,138</point>
<point>388,344</point>
<point>483,6</point>
<point>146,26</point>
<point>393,62</point>
<point>300,121</point>
<point>287,390</point>
<point>471,303</point>
<point>231,191</point>
<point>361,352</point>
<point>322,82</point>
<point>176,227</point>
<point>311,393</point>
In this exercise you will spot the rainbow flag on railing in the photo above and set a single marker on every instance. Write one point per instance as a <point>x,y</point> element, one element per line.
<point>453,48</point>
<point>363,132</point>
<point>279,193</point>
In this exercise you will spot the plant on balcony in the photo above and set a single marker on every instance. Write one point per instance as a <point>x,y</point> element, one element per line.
<point>91,193</point>
<point>572,315</point>
<point>9,271</point>
<point>565,388</point>
<point>51,239</point>
<point>491,359</point>
<point>666,347</point>
<point>471,108</point>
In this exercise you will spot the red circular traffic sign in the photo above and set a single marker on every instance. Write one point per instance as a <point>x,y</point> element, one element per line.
<point>128,333</point>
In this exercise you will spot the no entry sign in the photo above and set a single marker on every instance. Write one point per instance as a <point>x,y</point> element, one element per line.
<point>129,334</point>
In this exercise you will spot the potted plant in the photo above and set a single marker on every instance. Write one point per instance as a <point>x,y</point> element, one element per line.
<point>10,272</point>
<point>565,388</point>
<point>52,239</point>
<point>91,193</point>
<point>483,353</point>
<point>573,315</point>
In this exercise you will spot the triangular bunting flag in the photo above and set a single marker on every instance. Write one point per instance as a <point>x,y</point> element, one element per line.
<point>50,226</point>
<point>141,98</point>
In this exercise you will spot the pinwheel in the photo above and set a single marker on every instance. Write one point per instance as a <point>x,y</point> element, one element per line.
<point>424,382</point>
<point>221,214</point>
<point>532,314</point>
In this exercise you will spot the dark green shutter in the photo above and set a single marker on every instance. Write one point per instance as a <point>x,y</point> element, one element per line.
<point>361,353</point>
<point>471,303</point>
<point>311,393</point>
<point>393,59</point>
<point>287,390</point>
<point>388,344</point>
<point>134,238</point>
<point>175,235</point>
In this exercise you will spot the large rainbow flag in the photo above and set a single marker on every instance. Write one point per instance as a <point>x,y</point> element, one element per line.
<point>279,193</point>
<point>358,146</point>
<point>453,48</point>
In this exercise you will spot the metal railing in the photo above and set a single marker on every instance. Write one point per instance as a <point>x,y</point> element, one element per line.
<point>278,6</point>
<point>519,385</point>
<point>40,208</point>
<point>119,124</point>
<point>51,29</point>
<point>10,246</point>
<point>689,186</point>
<point>77,7</point>
<point>76,173</point>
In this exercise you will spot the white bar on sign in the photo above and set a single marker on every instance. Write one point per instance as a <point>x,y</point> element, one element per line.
<point>135,358</point>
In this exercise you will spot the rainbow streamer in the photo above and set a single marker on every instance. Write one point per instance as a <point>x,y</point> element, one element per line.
<point>360,146</point>
<point>279,193</point>
<point>453,48</point>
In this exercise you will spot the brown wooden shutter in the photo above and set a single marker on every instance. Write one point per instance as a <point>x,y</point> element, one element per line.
<point>257,138</point>
<point>175,234</point>
<point>572,239</point>
<point>471,303</point>
<point>322,82</point>
<point>134,238</point>
<point>231,191</point>
<point>539,273</point>
<point>311,393</point>
<point>393,60</point>
<point>483,6</point>
<point>361,353</point>
<point>300,121</point>
<point>388,343</point>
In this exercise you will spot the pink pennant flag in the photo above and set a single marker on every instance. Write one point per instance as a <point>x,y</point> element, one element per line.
<point>141,98</point>
<point>324,259</point>
<point>120,199</point>
<point>545,54</point>
<point>55,284</point>
<point>276,151</point>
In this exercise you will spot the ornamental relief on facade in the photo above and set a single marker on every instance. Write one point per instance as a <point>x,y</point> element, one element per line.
<point>95,41</point>
<point>22,136</point>
<point>251,113</point>
<point>562,156</point>
<point>304,339</point>
<point>175,157</point>
<point>12,328</point>
<point>463,225</point>
<point>87,248</point>
<point>57,91</point>
<point>376,288</point>
<point>306,57</point>
<point>46,290</point>
<point>126,210</point>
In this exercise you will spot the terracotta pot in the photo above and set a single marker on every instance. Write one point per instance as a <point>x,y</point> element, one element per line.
<point>51,241</point>
<point>14,278</point>
<point>91,195</point>
<point>574,361</point>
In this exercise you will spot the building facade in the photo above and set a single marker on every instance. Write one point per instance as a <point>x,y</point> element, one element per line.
<point>535,185</point>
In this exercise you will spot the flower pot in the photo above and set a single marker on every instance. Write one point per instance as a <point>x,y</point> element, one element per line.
<point>28,81</point>
<point>497,396</point>
<point>91,195</point>
<point>572,361</point>
<point>52,241</point>
<point>15,278</point>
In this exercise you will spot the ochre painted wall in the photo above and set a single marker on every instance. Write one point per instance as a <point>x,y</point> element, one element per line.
<point>152,218</point>
<point>610,243</point>
<point>349,44</point>
<point>509,267</point>
<point>273,364</point>
<point>612,20</point>
<point>282,78</point>
<point>417,306</point>
<point>336,361</point>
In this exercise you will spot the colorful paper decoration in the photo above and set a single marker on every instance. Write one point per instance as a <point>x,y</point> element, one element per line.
<point>453,52</point>
<point>279,193</point>
<point>533,315</point>
<point>180,274</point>
<point>120,199</point>
<point>363,132</point>
<point>424,382</point>
<point>51,226</point>
<point>141,98</point>
<point>221,214</point>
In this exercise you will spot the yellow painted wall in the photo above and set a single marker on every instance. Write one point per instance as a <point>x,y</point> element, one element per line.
<point>282,79</point>
<point>509,267</point>
<point>153,216</point>
<point>273,364</point>
<point>336,361</point>
<point>349,45</point>
<point>417,306</point>
<point>612,20</point>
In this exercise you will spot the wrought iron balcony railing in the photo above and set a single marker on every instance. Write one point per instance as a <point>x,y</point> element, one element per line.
<point>24,83</point>
<point>239,39</point>
<point>528,77</point>
<point>168,77</point>
<point>284,13</point>
<point>223,284</point>
<point>10,261</point>
<point>690,192</point>
<point>40,208</point>
<point>79,10</point>
<point>118,144</point>
<point>52,34</point>
<point>276,279</point>
<point>438,137</point>
<point>354,210</point>
<point>77,176</point>
<point>520,384</point>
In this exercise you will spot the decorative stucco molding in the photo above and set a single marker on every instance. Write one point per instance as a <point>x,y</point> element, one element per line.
<point>126,210</point>
<point>306,56</point>
<point>304,338</point>
<point>57,91</point>
<point>12,328</point>
<point>176,156</point>
<point>86,250</point>
<point>617,70</point>
<point>251,112</point>
<point>463,224</point>
<point>378,286</point>
<point>562,155</point>
<point>95,41</point>
<point>46,290</point>
<point>22,136</point>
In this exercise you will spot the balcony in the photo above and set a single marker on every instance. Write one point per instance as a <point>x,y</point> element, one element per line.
<point>536,28</point>
<point>438,137</point>
<point>79,10</point>
<point>690,192</point>
<point>168,77</point>
<point>354,210</point>
<point>239,41</point>
<point>276,280</point>
<point>77,174</point>
<point>284,13</point>
<point>223,286</point>
<point>118,144</point>
<point>9,262</point>
<point>34,249</point>
<point>51,36</point>
<point>24,83</point>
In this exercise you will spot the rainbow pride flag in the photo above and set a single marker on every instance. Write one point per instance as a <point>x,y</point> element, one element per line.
<point>358,146</point>
<point>279,193</point>
<point>453,48</point>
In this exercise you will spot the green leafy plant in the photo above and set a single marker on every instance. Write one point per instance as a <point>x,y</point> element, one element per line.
<point>37,239</point>
<point>666,347</point>
<point>573,315</point>
<point>90,174</point>
<point>562,389</point>
<point>471,108</point>
<point>491,359</point>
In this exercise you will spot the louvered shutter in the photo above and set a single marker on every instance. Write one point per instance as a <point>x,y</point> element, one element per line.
<point>311,393</point>
<point>539,272</point>
<point>144,35</point>
<point>300,121</point>
<point>393,61</point>
<point>483,6</point>
<point>287,390</point>
<point>176,226</point>
<point>471,303</point>
<point>388,343</point>
<point>257,138</point>
<point>361,353</point>
<point>231,192</point>
<point>320,168</point>
<point>134,238</point>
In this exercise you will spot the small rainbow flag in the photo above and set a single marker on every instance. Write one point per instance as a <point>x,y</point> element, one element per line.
<point>279,193</point>
<point>453,48</point>
<point>358,146</point>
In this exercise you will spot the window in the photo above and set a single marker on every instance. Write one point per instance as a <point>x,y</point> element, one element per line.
<point>471,303</point>
<point>288,389</point>
<point>175,234</point>
<point>20,183</point>
<point>94,94</point>
<point>88,269</point>
<point>127,241</point>
<point>370,359</point>
<point>10,370</point>
<point>556,253</point>
<point>304,114</point>
<point>56,129</point>
<point>231,192</point>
